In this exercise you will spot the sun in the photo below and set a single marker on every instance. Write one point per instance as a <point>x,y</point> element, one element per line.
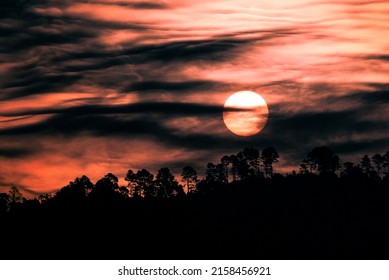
<point>245,113</point>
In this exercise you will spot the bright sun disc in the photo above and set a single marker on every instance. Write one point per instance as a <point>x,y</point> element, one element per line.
<point>245,113</point>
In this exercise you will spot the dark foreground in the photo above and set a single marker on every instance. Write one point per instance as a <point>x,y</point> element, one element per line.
<point>301,217</point>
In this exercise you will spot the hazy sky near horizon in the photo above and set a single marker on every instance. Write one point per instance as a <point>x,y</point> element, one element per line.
<point>91,87</point>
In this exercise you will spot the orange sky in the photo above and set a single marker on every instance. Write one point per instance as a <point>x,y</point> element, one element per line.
<point>91,88</point>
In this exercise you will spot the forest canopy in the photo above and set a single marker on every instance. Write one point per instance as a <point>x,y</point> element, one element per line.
<point>248,165</point>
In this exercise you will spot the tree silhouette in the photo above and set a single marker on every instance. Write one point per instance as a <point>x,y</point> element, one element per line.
<point>189,177</point>
<point>106,190</point>
<point>109,180</point>
<point>322,160</point>
<point>44,198</point>
<point>366,166</point>
<point>269,156</point>
<point>221,175</point>
<point>252,156</point>
<point>216,173</point>
<point>4,201</point>
<point>242,166</point>
<point>386,162</point>
<point>167,185</point>
<point>135,190</point>
<point>351,170</point>
<point>211,173</point>
<point>378,161</point>
<point>305,167</point>
<point>124,191</point>
<point>225,162</point>
<point>308,165</point>
<point>217,210</point>
<point>15,197</point>
<point>141,183</point>
<point>74,194</point>
<point>233,160</point>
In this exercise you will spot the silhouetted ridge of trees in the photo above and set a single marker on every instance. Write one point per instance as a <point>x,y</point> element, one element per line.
<point>247,165</point>
<point>328,209</point>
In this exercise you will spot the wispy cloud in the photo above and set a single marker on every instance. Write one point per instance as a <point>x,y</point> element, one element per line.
<point>102,86</point>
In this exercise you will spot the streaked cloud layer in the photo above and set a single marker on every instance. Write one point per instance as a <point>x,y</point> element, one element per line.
<point>91,87</point>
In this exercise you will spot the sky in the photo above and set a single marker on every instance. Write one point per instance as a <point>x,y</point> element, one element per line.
<point>92,87</point>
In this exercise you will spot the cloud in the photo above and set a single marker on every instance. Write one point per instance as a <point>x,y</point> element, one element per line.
<point>359,148</point>
<point>182,87</point>
<point>353,2</point>
<point>160,108</point>
<point>25,38</point>
<point>384,57</point>
<point>143,120</point>
<point>8,152</point>
<point>308,127</point>
<point>37,83</point>
<point>379,97</point>
<point>135,5</point>
<point>95,85</point>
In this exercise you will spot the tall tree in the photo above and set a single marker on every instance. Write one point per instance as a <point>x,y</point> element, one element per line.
<point>366,166</point>
<point>244,165</point>
<point>378,161</point>
<point>74,194</point>
<point>45,198</point>
<point>225,162</point>
<point>189,177</point>
<point>349,169</point>
<point>386,162</point>
<point>305,167</point>
<point>135,189</point>
<point>211,173</point>
<point>240,166</point>
<point>234,167</point>
<point>106,190</point>
<point>141,183</point>
<point>269,156</point>
<point>167,184</point>
<point>4,200</point>
<point>146,180</point>
<point>322,160</point>
<point>252,158</point>
<point>124,191</point>
<point>110,181</point>
<point>216,173</point>
<point>15,196</point>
